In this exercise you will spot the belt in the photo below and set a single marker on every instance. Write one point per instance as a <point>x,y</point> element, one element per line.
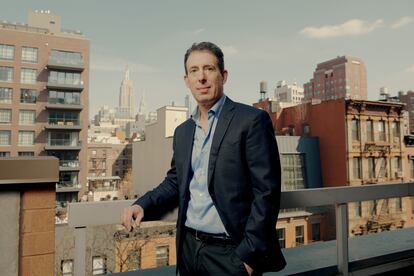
<point>208,238</point>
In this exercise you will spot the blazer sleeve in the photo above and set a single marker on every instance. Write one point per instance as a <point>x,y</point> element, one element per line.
<point>264,170</point>
<point>164,197</point>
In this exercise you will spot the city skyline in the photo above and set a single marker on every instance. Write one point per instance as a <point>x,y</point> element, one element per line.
<point>271,41</point>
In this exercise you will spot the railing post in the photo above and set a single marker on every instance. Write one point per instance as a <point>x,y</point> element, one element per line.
<point>80,251</point>
<point>342,237</point>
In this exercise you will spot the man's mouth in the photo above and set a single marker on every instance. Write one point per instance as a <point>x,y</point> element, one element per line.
<point>203,89</point>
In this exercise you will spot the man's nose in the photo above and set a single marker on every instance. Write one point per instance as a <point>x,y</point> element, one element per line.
<point>201,76</point>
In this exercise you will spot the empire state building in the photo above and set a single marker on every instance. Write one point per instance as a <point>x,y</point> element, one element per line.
<point>126,108</point>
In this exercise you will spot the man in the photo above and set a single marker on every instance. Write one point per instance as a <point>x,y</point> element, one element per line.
<point>224,178</point>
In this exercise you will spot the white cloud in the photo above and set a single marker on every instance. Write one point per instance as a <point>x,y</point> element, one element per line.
<point>117,64</point>
<point>402,22</point>
<point>353,27</point>
<point>410,69</point>
<point>199,31</point>
<point>229,50</point>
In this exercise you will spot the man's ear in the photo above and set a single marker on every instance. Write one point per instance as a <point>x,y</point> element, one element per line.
<point>186,81</point>
<point>225,75</point>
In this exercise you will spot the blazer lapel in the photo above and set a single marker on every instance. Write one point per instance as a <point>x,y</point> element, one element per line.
<point>187,150</point>
<point>222,125</point>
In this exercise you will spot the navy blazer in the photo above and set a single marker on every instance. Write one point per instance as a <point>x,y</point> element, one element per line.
<point>244,182</point>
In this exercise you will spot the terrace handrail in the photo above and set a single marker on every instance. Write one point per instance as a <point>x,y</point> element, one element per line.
<point>85,214</point>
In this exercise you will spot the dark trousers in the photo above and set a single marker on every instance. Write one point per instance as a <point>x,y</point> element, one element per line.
<point>201,258</point>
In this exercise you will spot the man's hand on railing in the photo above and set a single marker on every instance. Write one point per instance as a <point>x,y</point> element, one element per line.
<point>131,217</point>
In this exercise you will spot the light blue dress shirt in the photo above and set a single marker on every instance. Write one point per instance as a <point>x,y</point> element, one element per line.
<point>201,213</point>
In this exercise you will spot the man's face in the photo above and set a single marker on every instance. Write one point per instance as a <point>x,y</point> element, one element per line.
<point>203,78</point>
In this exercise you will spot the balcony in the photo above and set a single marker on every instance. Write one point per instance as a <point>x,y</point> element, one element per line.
<point>58,63</point>
<point>68,186</point>
<point>63,144</point>
<point>65,85</point>
<point>64,124</point>
<point>360,255</point>
<point>60,104</point>
<point>69,165</point>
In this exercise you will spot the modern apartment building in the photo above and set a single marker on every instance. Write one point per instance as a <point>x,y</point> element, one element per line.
<point>44,77</point>
<point>341,77</point>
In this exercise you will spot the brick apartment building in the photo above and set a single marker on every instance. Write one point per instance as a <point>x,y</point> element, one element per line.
<point>341,77</point>
<point>109,168</point>
<point>361,143</point>
<point>44,78</point>
<point>408,99</point>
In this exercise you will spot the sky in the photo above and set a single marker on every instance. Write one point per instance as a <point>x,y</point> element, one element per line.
<point>261,40</point>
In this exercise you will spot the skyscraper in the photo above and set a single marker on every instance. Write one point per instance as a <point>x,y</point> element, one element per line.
<point>126,108</point>
<point>341,77</point>
<point>44,78</point>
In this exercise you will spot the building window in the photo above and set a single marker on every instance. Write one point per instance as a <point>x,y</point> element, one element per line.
<point>412,205</point>
<point>27,117</point>
<point>355,129</point>
<point>28,95</point>
<point>316,231</point>
<point>63,138</point>
<point>381,130</point>
<point>383,167</point>
<point>162,255</point>
<point>5,116</point>
<point>68,178</point>
<point>134,259</point>
<point>67,267</point>
<point>395,128</point>
<point>396,167</point>
<point>28,75</point>
<point>66,57</point>
<point>63,97</point>
<point>370,130</point>
<point>29,55</point>
<point>5,95</point>
<point>300,238</point>
<point>372,207</point>
<point>281,234</point>
<point>25,153</point>
<point>4,153</point>
<point>412,168</point>
<point>26,138</point>
<point>357,208</point>
<point>6,73</point>
<point>356,163</point>
<point>398,204</point>
<point>98,265</point>
<point>6,52</point>
<point>63,118</point>
<point>5,137</point>
<point>293,168</point>
<point>371,167</point>
<point>65,78</point>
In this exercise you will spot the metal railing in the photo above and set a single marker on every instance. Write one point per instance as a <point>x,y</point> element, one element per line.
<point>69,163</point>
<point>83,215</point>
<point>68,101</point>
<point>64,122</point>
<point>64,142</point>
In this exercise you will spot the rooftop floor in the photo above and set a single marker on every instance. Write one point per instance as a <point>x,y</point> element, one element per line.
<point>369,254</point>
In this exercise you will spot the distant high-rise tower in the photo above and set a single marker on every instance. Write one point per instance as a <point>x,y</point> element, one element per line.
<point>126,107</point>
<point>341,77</point>
<point>143,105</point>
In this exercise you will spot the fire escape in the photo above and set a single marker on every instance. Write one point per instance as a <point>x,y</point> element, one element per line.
<point>382,220</point>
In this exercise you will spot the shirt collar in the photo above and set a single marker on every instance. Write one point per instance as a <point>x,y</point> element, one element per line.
<point>215,109</point>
